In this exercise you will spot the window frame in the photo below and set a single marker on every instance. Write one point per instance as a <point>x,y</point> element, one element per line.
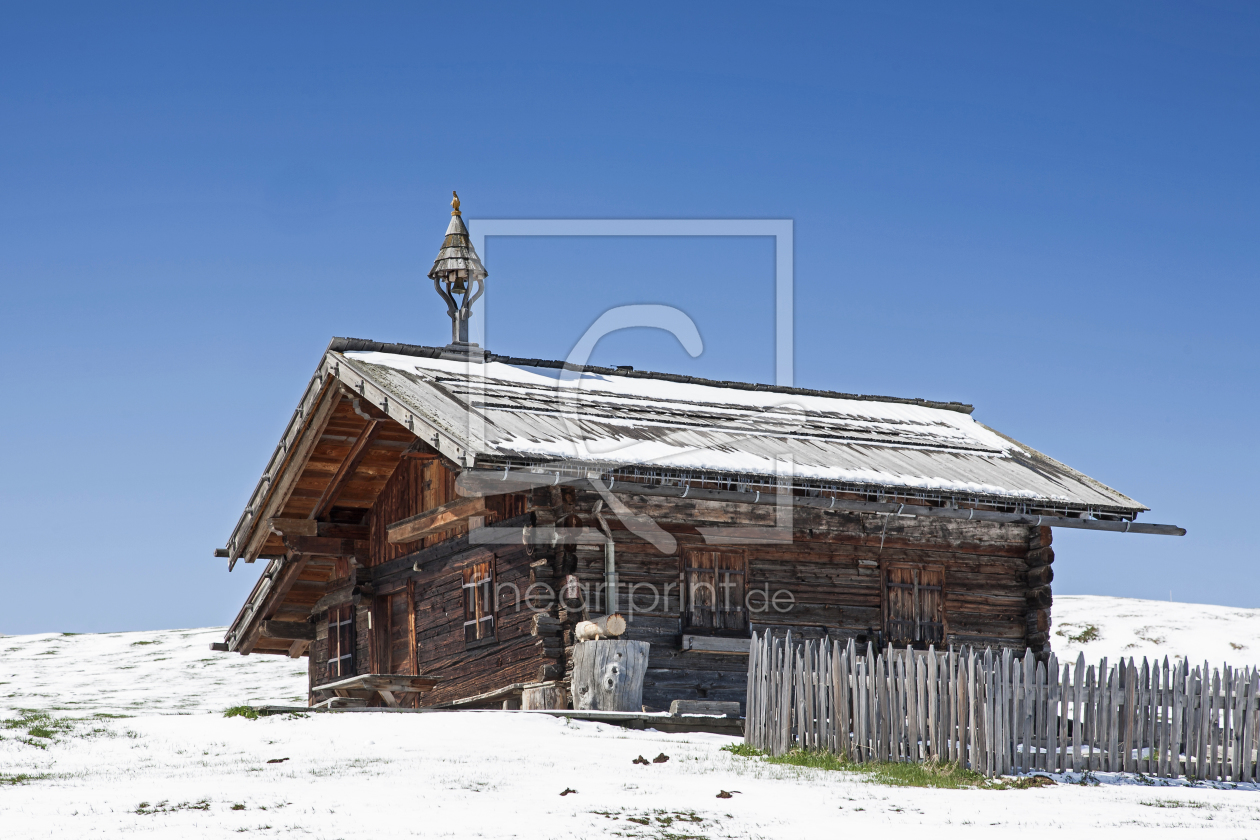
<point>481,609</point>
<point>342,639</point>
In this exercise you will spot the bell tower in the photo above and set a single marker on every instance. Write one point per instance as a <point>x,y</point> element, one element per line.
<point>455,272</point>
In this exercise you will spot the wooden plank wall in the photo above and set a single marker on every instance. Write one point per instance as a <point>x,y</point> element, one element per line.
<point>515,655</point>
<point>833,568</point>
<point>996,585</point>
<point>419,483</point>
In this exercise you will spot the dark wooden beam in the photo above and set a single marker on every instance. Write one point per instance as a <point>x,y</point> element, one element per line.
<point>287,576</point>
<point>350,593</point>
<point>311,528</point>
<point>344,472</point>
<point>328,547</point>
<point>444,518</point>
<point>289,630</point>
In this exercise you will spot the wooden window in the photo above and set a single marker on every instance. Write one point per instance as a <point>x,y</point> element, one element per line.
<point>341,641</point>
<point>478,608</point>
<point>914,599</point>
<point>714,587</point>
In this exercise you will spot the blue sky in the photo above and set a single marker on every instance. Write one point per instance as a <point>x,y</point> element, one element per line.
<point>1048,211</point>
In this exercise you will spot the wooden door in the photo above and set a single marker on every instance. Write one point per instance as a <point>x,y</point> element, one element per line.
<point>914,605</point>
<point>397,634</point>
<point>714,587</point>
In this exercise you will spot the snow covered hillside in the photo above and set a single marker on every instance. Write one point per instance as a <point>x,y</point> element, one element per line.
<point>1128,627</point>
<point>152,672</point>
<point>121,735</point>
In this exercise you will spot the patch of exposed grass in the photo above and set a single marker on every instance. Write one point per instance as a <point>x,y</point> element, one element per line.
<point>1146,635</point>
<point>21,778</point>
<point>134,644</point>
<point>38,724</point>
<point>1087,633</point>
<point>164,807</point>
<point>1175,803</point>
<point>248,712</point>
<point>742,750</point>
<point>895,774</point>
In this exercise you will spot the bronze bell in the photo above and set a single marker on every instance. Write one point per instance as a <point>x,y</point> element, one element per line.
<point>459,288</point>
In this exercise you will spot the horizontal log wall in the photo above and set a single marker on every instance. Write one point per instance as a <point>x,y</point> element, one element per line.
<point>833,567</point>
<point>996,585</point>
<point>514,656</point>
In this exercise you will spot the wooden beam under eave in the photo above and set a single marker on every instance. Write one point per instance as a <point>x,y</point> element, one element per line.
<point>289,630</point>
<point>282,485</point>
<point>446,517</point>
<point>329,547</point>
<point>292,527</point>
<point>344,472</point>
<point>289,574</point>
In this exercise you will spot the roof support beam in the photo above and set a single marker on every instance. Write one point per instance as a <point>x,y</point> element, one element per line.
<point>347,468</point>
<point>283,479</point>
<point>327,547</point>
<point>286,576</point>
<point>289,630</point>
<point>446,517</point>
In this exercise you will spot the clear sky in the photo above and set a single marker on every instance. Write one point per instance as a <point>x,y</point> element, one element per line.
<point>1048,210</point>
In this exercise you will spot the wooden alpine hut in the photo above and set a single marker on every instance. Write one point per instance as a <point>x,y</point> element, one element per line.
<point>437,523</point>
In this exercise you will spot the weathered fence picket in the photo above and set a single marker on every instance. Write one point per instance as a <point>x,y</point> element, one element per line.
<point>999,713</point>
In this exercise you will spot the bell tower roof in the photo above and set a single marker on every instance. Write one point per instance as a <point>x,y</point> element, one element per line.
<point>457,254</point>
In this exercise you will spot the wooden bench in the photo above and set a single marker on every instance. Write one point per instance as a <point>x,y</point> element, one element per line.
<point>389,687</point>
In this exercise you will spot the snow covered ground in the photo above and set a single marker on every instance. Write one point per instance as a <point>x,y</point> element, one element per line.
<point>175,767</point>
<point>1130,627</point>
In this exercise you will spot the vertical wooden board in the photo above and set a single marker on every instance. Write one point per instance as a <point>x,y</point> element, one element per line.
<point>1251,729</point>
<point>1065,699</point>
<point>1174,734</point>
<point>1115,709</point>
<point>1227,719</point>
<point>1214,728</point>
<point>1028,689</point>
<point>1090,754</point>
<point>1078,718</point>
<point>1165,720</point>
<point>1201,686</point>
<point>1143,716</point>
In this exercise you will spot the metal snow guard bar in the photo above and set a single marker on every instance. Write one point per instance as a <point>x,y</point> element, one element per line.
<point>481,482</point>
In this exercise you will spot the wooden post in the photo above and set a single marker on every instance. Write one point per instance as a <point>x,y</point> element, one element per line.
<point>608,675</point>
<point>552,696</point>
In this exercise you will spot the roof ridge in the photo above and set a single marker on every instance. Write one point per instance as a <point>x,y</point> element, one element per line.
<point>342,345</point>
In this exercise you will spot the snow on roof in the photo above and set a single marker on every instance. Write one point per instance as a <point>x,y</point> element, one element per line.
<point>532,413</point>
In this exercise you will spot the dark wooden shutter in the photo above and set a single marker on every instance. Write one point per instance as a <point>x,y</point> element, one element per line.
<point>915,605</point>
<point>478,609</point>
<point>715,583</point>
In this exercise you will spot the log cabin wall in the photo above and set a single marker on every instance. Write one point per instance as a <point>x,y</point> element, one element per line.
<point>421,482</point>
<point>995,586</point>
<point>836,570</point>
<point>511,654</point>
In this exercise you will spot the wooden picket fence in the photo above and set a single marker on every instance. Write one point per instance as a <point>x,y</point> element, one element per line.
<point>996,713</point>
